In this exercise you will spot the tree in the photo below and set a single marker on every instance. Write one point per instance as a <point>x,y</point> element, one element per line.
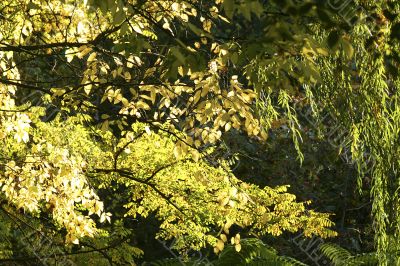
<point>183,73</point>
<point>136,99</point>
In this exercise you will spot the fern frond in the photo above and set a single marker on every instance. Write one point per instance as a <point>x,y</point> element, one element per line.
<point>363,259</point>
<point>255,253</point>
<point>340,256</point>
<point>335,253</point>
<point>175,262</point>
<point>290,261</point>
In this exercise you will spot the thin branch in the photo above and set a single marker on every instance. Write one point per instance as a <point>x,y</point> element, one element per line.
<point>21,48</point>
<point>59,254</point>
<point>130,176</point>
<point>162,168</point>
<point>26,86</point>
<point>118,152</point>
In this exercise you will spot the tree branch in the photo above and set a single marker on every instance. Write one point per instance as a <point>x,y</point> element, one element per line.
<point>26,86</point>
<point>130,176</point>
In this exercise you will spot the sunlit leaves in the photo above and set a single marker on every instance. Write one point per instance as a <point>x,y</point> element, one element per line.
<point>189,197</point>
<point>45,176</point>
<point>172,66</point>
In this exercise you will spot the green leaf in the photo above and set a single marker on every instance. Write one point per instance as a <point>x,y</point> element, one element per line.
<point>119,17</point>
<point>229,8</point>
<point>348,48</point>
<point>178,54</point>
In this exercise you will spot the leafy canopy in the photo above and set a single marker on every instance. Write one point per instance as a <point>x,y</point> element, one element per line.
<point>128,99</point>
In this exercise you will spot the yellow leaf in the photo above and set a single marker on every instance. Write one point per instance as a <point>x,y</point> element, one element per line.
<point>230,94</point>
<point>185,18</point>
<point>197,96</point>
<point>195,155</point>
<point>127,75</point>
<point>207,25</point>
<point>223,237</point>
<point>88,88</point>
<point>92,56</point>
<point>166,26</point>
<point>220,245</point>
<point>175,6</point>
<point>84,51</point>
<point>177,151</point>
<point>180,71</point>
<point>237,239</point>
<point>224,201</point>
<point>238,247</point>
<point>148,131</point>
<point>228,126</point>
<point>197,143</point>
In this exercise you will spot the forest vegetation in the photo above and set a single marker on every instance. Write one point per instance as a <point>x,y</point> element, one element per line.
<point>188,132</point>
